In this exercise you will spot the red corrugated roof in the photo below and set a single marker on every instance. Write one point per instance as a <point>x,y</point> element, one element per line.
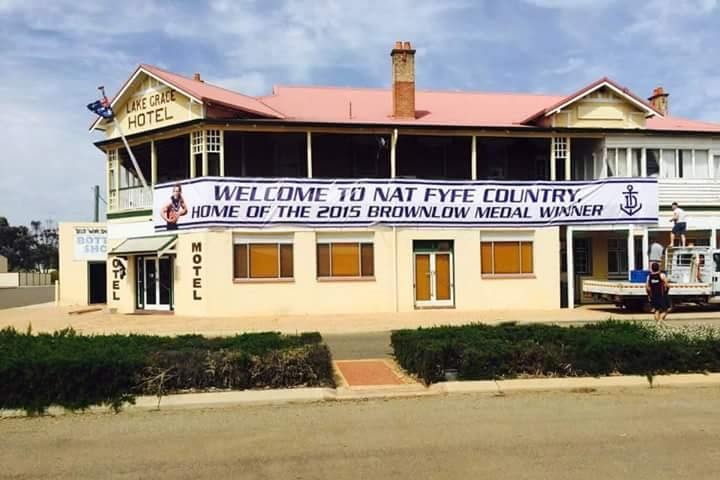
<point>433,108</point>
<point>442,108</point>
<point>206,92</point>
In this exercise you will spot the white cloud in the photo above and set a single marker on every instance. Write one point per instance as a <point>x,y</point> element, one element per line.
<point>570,4</point>
<point>250,83</point>
<point>572,64</point>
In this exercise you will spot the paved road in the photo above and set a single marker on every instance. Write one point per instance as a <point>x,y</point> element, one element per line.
<point>359,345</point>
<point>634,434</point>
<point>22,296</point>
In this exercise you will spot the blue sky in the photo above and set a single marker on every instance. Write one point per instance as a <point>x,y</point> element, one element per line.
<point>55,54</point>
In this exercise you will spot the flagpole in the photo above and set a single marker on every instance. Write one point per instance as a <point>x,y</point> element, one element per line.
<point>127,147</point>
<point>106,103</point>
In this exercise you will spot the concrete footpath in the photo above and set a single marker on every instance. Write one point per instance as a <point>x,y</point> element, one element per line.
<point>314,395</point>
<point>48,318</point>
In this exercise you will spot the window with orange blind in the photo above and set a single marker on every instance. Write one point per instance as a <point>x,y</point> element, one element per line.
<point>262,260</point>
<point>507,257</point>
<point>345,259</point>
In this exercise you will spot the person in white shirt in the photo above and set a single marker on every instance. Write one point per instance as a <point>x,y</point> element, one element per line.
<point>655,253</point>
<point>680,226</point>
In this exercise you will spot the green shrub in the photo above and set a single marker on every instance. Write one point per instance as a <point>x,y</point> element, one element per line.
<point>302,366</point>
<point>76,371</point>
<point>481,352</point>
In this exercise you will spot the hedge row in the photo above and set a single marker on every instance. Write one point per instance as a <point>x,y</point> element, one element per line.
<point>484,352</point>
<point>76,371</point>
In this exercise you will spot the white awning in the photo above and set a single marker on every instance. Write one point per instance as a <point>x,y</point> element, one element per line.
<point>155,245</point>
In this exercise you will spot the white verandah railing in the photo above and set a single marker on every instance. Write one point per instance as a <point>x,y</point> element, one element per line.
<point>132,198</point>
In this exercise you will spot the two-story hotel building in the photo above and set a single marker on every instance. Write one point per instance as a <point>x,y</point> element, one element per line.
<point>181,129</point>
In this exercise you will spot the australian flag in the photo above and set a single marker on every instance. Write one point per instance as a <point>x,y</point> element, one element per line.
<point>101,107</point>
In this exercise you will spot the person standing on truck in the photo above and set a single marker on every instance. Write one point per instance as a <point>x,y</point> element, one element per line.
<point>680,226</point>
<point>657,288</point>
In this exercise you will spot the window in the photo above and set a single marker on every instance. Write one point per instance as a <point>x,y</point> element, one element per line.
<point>716,166</point>
<point>345,259</point>
<point>561,153</point>
<point>256,259</point>
<point>112,166</point>
<point>668,165</point>
<point>197,147</point>
<point>214,144</point>
<point>685,164</point>
<point>653,162</point>
<point>701,164</point>
<point>617,257</point>
<point>616,161</point>
<point>506,257</point>
<point>112,180</point>
<point>611,162</point>
<point>206,142</point>
<point>636,165</point>
<point>582,256</point>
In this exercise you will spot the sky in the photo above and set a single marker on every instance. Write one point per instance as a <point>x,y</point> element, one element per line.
<point>53,55</point>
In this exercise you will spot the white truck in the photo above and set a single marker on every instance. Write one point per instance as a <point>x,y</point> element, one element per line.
<point>693,273</point>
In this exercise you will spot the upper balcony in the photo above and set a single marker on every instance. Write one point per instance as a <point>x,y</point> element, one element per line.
<point>689,177</point>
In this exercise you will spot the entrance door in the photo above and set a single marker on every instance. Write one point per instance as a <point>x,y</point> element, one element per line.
<point>155,283</point>
<point>434,279</point>
<point>97,282</point>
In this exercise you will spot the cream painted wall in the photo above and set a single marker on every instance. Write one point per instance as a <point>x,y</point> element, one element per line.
<point>120,291</point>
<point>591,113</point>
<point>3,264</point>
<point>151,105</point>
<point>216,294</point>
<point>73,273</point>
<point>221,296</point>
<point>122,228</point>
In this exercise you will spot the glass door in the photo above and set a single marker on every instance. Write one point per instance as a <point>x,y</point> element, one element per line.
<point>155,283</point>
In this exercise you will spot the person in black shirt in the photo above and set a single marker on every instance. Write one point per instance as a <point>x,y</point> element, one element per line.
<point>657,287</point>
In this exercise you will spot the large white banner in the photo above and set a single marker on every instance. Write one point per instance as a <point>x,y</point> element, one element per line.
<point>90,243</point>
<point>247,202</point>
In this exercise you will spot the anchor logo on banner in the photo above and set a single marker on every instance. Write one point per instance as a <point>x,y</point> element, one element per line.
<point>632,206</point>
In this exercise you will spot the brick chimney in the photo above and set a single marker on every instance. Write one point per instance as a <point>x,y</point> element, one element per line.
<point>197,78</point>
<point>659,100</point>
<point>403,80</point>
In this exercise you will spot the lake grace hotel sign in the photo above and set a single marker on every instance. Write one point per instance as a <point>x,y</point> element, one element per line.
<point>331,203</point>
<point>149,110</point>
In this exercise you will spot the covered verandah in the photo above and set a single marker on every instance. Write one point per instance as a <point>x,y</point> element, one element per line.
<point>612,252</point>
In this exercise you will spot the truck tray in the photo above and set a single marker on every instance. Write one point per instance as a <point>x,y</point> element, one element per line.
<point>624,288</point>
